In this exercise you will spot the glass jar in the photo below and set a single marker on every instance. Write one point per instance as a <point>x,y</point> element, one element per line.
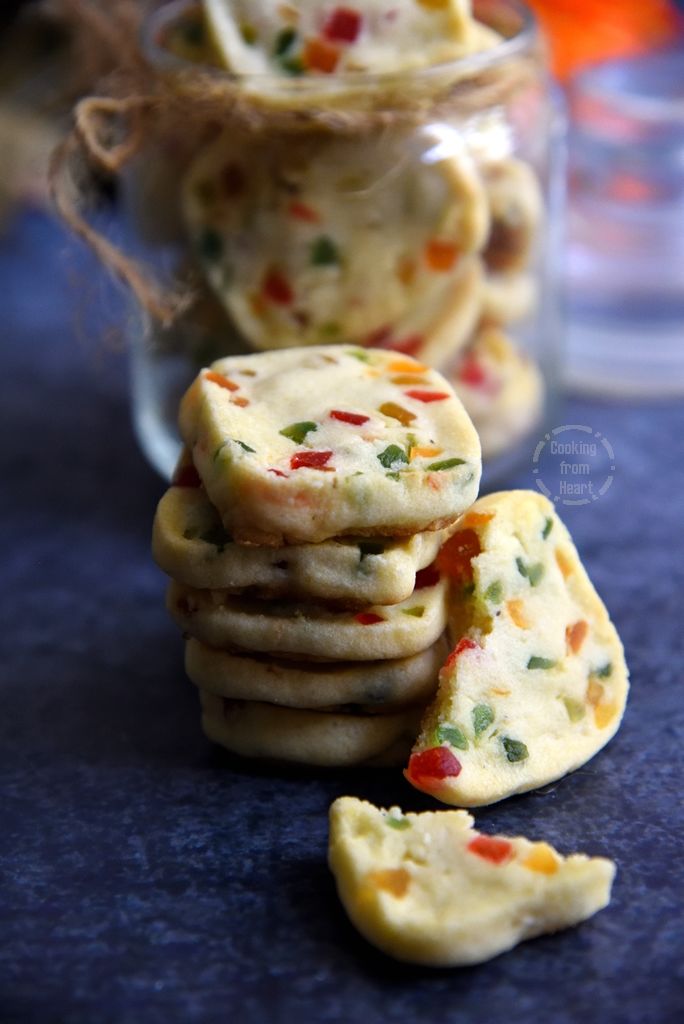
<point>418,211</point>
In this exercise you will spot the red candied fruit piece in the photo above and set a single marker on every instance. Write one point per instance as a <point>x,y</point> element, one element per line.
<point>310,460</point>
<point>368,618</point>
<point>409,346</point>
<point>431,766</point>
<point>278,472</point>
<point>277,288</point>
<point>354,418</point>
<point>343,25</point>
<point>464,644</point>
<point>472,373</point>
<point>186,476</point>
<point>427,396</point>
<point>492,849</point>
<point>427,577</point>
<point>300,211</point>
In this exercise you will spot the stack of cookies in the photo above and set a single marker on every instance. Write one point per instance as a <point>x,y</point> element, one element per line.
<point>300,532</point>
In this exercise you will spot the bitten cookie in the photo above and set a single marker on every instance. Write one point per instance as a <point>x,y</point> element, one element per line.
<point>429,889</point>
<point>307,444</point>
<point>190,544</point>
<point>328,739</point>
<point>537,682</point>
<point>314,630</point>
<point>335,239</point>
<point>502,390</point>
<point>372,686</point>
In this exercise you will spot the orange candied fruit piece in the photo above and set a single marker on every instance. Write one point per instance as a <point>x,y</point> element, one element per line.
<point>223,382</point>
<point>393,880</point>
<point>604,714</point>
<point>563,563</point>
<point>454,558</point>
<point>406,366</point>
<point>397,412</point>
<point>473,519</point>
<point>542,858</point>
<point>321,55</point>
<point>516,610</point>
<point>424,452</point>
<point>441,256</point>
<point>576,634</point>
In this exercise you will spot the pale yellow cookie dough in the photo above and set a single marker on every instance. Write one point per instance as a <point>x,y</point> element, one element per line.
<point>373,686</point>
<point>337,239</point>
<point>190,544</point>
<point>313,630</point>
<point>307,444</point>
<point>537,681</point>
<point>429,889</point>
<point>328,739</point>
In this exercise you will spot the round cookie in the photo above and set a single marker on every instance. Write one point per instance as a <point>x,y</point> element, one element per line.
<point>335,239</point>
<point>190,544</point>
<point>379,632</point>
<point>502,390</point>
<point>316,38</point>
<point>537,682</point>
<point>320,738</point>
<point>377,686</point>
<point>429,889</point>
<point>305,444</point>
<point>516,210</point>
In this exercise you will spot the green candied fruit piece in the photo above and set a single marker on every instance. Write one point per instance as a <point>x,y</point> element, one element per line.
<point>245,447</point>
<point>515,749</point>
<point>417,611</point>
<point>435,467</point>
<point>451,734</point>
<point>298,431</point>
<point>522,568</point>
<point>483,716</point>
<point>574,708</point>
<point>248,33</point>
<point>548,527</point>
<point>293,66</point>
<point>370,547</point>
<point>217,536</point>
<point>605,671</point>
<point>358,353</point>
<point>284,41</point>
<point>393,476</point>
<point>391,455</point>
<point>324,252</point>
<point>535,573</point>
<point>398,823</point>
<point>538,662</point>
<point>210,245</point>
<point>494,592</point>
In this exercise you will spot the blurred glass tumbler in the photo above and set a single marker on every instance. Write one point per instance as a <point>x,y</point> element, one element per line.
<point>487,127</point>
<point>625,271</point>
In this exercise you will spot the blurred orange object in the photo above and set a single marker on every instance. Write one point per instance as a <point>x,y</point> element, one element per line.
<point>584,31</point>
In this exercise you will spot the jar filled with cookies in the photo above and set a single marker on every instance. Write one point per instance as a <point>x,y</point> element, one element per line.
<point>383,175</point>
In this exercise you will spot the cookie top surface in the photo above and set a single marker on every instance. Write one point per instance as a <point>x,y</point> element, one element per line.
<point>316,38</point>
<point>306,444</point>
<point>537,681</point>
<point>190,543</point>
<point>354,240</point>
<point>428,888</point>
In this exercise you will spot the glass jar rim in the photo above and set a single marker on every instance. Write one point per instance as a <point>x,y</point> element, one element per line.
<point>521,41</point>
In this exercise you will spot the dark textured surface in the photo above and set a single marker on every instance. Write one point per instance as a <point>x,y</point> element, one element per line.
<point>147,878</point>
